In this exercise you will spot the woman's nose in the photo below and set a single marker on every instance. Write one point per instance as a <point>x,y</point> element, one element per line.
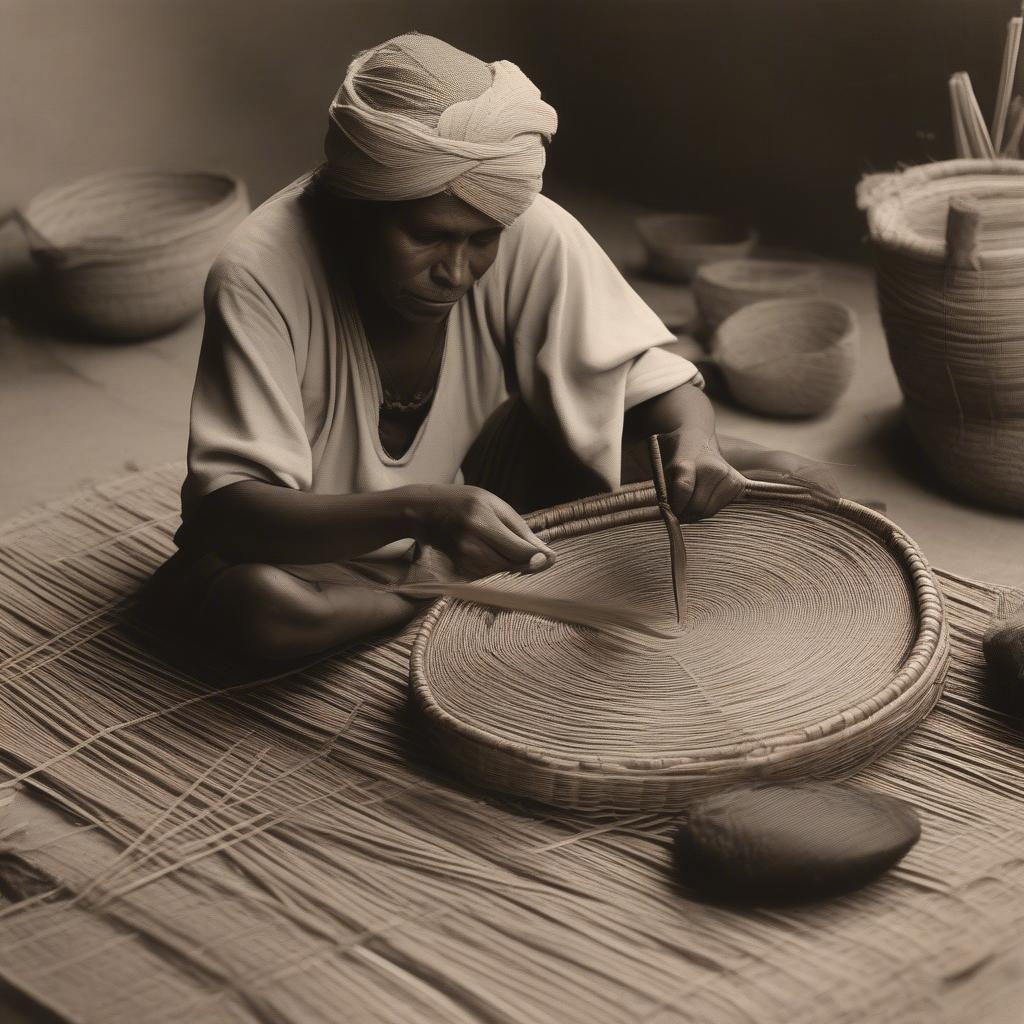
<point>453,270</point>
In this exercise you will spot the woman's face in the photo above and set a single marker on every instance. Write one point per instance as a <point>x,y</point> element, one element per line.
<point>423,255</point>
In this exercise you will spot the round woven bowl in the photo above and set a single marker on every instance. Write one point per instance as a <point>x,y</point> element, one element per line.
<point>678,243</point>
<point>722,288</point>
<point>788,357</point>
<point>956,334</point>
<point>814,641</point>
<point>125,254</point>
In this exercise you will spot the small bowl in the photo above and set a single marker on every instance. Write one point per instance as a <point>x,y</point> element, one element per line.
<point>722,288</point>
<point>678,243</point>
<point>788,357</point>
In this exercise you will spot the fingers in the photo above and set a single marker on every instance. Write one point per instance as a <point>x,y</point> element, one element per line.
<point>496,537</point>
<point>542,555</point>
<point>700,489</point>
<point>714,490</point>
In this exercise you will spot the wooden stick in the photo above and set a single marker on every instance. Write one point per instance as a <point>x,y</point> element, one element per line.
<point>1011,147</point>
<point>1011,47</point>
<point>962,234</point>
<point>963,148</point>
<point>977,131</point>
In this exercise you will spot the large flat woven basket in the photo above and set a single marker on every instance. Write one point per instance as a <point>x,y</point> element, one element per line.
<point>814,641</point>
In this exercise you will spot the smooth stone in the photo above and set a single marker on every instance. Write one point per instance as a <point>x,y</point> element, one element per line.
<point>1003,645</point>
<point>774,843</point>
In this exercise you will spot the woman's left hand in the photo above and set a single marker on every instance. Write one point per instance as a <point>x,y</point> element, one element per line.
<point>700,481</point>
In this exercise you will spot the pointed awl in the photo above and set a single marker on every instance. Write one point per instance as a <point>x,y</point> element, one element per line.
<point>675,537</point>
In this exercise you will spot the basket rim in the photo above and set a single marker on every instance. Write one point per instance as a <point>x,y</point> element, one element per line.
<point>882,197</point>
<point>725,334</point>
<point>745,233</point>
<point>716,273</point>
<point>638,503</point>
<point>39,244</point>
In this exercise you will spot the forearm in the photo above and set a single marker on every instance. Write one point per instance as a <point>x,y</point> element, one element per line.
<point>260,522</point>
<point>685,410</point>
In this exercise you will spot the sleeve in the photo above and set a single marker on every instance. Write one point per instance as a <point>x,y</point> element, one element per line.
<point>585,346</point>
<point>247,419</point>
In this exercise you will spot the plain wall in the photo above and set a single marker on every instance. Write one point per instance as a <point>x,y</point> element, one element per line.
<point>239,85</point>
<point>772,108</point>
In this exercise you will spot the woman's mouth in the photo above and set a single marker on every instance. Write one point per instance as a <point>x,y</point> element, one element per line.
<point>433,303</point>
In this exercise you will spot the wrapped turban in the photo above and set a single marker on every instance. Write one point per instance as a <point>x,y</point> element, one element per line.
<point>415,117</point>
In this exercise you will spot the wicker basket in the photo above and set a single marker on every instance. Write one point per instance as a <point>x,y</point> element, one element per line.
<point>678,243</point>
<point>125,254</point>
<point>788,357</point>
<point>815,640</point>
<point>722,288</point>
<point>955,329</point>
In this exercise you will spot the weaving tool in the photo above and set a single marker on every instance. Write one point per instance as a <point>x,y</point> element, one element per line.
<point>677,546</point>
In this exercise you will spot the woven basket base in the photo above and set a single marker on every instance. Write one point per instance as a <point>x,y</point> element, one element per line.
<point>813,641</point>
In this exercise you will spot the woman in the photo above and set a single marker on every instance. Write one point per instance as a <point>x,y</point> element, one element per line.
<point>365,330</point>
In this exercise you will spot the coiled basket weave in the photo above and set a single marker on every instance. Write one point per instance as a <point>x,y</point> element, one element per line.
<point>124,254</point>
<point>814,640</point>
<point>956,332</point>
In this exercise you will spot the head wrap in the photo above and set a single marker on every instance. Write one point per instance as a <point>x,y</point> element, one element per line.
<point>415,117</point>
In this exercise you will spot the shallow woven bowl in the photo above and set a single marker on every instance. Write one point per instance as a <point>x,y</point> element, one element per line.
<point>125,254</point>
<point>956,336</point>
<point>814,641</point>
<point>788,357</point>
<point>678,243</point>
<point>722,288</point>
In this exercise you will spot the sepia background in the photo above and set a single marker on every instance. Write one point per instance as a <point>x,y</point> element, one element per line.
<point>768,107</point>
<point>772,109</point>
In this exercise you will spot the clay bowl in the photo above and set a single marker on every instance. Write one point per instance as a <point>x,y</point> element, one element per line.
<point>788,357</point>
<point>678,243</point>
<point>722,288</point>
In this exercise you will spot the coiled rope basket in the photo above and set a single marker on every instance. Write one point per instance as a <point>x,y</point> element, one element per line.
<point>814,641</point>
<point>954,315</point>
<point>124,254</point>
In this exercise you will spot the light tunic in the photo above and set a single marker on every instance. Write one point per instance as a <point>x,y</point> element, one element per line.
<point>288,392</point>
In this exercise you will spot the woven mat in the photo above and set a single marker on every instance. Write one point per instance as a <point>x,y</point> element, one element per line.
<point>288,852</point>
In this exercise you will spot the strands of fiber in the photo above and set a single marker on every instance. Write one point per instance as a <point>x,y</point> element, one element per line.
<point>605,615</point>
<point>291,851</point>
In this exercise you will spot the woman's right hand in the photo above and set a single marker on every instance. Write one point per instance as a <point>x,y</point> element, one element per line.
<point>478,531</point>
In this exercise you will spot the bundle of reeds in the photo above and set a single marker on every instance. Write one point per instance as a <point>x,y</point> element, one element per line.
<point>972,137</point>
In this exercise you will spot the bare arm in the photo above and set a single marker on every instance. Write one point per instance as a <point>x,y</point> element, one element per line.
<point>253,521</point>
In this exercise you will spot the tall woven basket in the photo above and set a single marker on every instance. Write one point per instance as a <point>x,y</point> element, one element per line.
<point>953,313</point>
<point>124,254</point>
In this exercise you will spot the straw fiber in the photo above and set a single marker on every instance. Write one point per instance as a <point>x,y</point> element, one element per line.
<point>955,321</point>
<point>124,254</point>
<point>289,851</point>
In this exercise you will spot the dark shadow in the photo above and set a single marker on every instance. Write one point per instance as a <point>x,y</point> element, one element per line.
<point>1005,695</point>
<point>27,302</point>
<point>894,439</point>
